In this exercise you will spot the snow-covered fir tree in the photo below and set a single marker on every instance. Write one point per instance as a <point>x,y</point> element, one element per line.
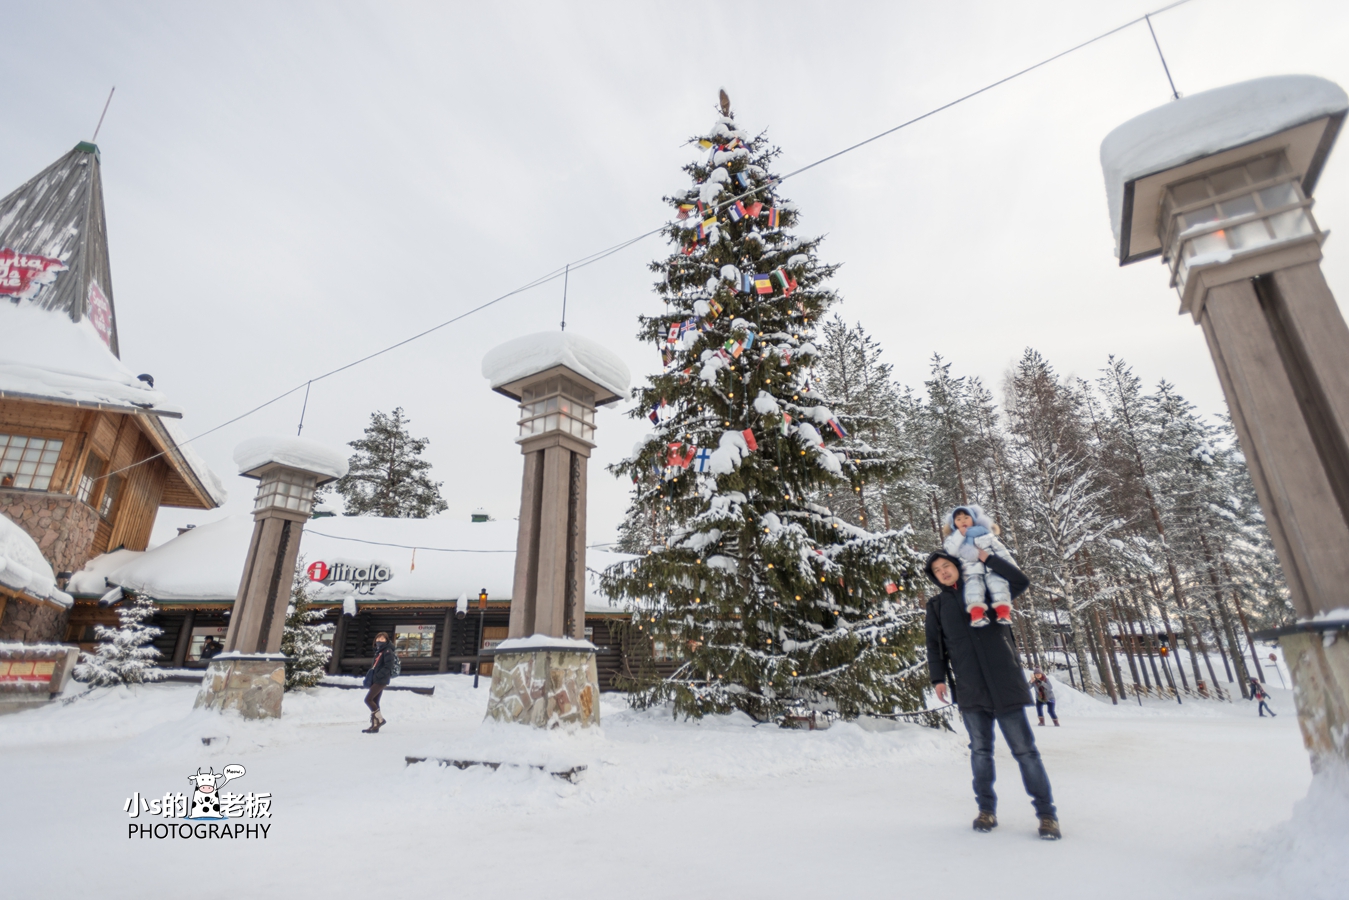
<point>387,475</point>
<point>767,597</point>
<point>302,636</point>
<point>126,654</point>
<point>875,412</point>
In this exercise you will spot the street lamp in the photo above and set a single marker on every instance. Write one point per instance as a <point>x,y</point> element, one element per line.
<point>482,611</point>
<point>1219,185</point>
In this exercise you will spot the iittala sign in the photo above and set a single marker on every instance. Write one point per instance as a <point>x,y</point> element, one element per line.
<point>364,576</point>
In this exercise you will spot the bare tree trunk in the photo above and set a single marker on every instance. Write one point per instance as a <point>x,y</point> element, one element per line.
<point>1079,647</point>
<point>1129,647</point>
<point>1170,635</point>
<point>1099,650</point>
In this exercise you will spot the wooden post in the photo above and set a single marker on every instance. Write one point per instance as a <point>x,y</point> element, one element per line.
<point>184,639</point>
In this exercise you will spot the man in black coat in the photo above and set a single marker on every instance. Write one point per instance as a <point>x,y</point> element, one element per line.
<point>989,686</point>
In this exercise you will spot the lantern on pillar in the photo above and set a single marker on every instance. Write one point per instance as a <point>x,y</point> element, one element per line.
<point>1219,185</point>
<point>250,675</point>
<point>544,673</point>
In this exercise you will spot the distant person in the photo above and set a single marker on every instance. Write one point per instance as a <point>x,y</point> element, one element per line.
<point>989,686</point>
<point>211,648</point>
<point>1258,693</point>
<point>970,535</point>
<point>376,678</point>
<point>1044,695</point>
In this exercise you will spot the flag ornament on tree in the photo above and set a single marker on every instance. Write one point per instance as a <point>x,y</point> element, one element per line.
<point>772,599</point>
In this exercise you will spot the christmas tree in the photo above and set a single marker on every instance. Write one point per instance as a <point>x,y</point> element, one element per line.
<point>387,475</point>
<point>302,637</point>
<point>124,655</point>
<point>768,599</point>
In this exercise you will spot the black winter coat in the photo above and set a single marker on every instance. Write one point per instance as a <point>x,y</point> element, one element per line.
<point>988,675</point>
<point>382,671</point>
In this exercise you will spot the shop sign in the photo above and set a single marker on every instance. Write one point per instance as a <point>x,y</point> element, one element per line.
<point>365,576</point>
<point>100,312</point>
<point>22,275</point>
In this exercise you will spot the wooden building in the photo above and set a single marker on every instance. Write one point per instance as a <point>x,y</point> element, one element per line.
<point>418,580</point>
<point>89,451</point>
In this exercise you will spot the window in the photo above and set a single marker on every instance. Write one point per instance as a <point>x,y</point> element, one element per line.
<point>27,463</point>
<point>109,495</point>
<point>93,471</point>
<point>414,640</point>
<point>200,635</point>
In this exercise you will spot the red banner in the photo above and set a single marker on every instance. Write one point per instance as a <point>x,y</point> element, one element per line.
<point>22,275</point>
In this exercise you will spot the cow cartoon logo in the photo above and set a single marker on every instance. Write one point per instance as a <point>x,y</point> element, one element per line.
<point>206,796</point>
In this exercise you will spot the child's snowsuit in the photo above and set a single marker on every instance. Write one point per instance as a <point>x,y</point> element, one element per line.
<point>977,576</point>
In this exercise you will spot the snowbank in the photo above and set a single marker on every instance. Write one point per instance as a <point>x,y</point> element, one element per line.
<point>1207,123</point>
<point>92,580</point>
<point>536,353</point>
<point>301,453</point>
<point>23,568</point>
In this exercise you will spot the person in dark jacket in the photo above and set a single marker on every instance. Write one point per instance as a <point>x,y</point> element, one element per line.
<point>977,668</point>
<point>1258,693</point>
<point>376,677</point>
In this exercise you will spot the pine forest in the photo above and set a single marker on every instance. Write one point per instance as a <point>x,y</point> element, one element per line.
<point>790,489</point>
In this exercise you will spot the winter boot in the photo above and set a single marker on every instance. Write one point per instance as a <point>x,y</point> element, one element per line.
<point>1042,720</point>
<point>1056,723</point>
<point>1004,615</point>
<point>1049,829</point>
<point>374,725</point>
<point>986,821</point>
<point>380,720</point>
<point>977,617</point>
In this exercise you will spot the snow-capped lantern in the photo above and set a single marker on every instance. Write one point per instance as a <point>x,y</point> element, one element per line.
<point>1219,185</point>
<point>1223,176</point>
<point>289,471</point>
<point>250,674</point>
<point>559,379</point>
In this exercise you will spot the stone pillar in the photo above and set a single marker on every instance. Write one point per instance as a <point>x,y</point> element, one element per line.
<point>250,674</point>
<point>544,674</point>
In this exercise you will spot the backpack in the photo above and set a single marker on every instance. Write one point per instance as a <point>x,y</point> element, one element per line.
<point>396,667</point>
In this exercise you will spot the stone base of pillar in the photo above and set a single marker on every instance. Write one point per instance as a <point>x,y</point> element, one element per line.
<point>251,684</point>
<point>1319,663</point>
<point>545,687</point>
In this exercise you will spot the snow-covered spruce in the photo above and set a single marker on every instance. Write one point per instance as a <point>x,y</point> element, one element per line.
<point>387,475</point>
<point>124,655</point>
<point>302,638</point>
<point>764,596</point>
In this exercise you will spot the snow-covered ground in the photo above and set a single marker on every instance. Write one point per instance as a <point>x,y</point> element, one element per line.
<point>1164,800</point>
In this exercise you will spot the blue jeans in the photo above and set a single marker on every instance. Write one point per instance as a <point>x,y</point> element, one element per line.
<point>1016,731</point>
<point>1040,708</point>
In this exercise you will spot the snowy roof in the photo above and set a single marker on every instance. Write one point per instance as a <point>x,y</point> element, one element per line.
<point>1205,124</point>
<point>23,568</point>
<point>45,356</point>
<point>205,563</point>
<point>535,353</point>
<point>91,581</point>
<point>296,452</point>
<point>57,217</point>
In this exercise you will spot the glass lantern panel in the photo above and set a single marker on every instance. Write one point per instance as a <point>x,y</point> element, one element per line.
<point>1291,224</point>
<point>1265,168</point>
<point>1189,192</point>
<point>550,423</point>
<point>1230,180</point>
<point>1201,216</point>
<point>1215,242</point>
<point>1278,195</point>
<point>1251,234</point>
<point>1239,206</point>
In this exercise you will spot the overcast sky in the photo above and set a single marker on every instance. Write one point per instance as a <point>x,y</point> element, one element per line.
<point>291,186</point>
